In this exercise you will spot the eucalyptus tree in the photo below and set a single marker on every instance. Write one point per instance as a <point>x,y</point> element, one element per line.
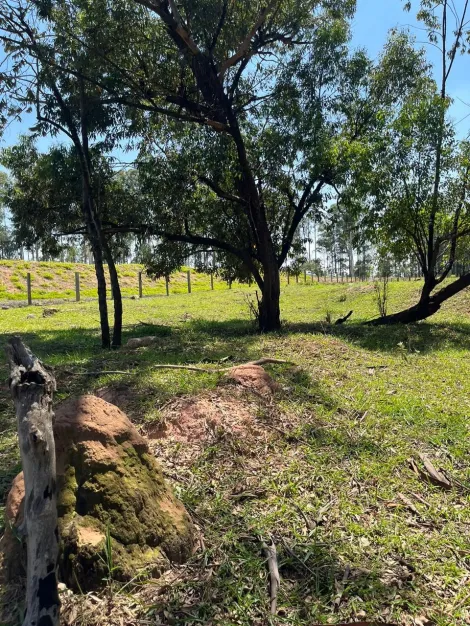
<point>31,82</point>
<point>8,247</point>
<point>422,171</point>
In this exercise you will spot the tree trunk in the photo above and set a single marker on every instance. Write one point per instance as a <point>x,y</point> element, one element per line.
<point>351,256</point>
<point>92,220</point>
<point>101,281</point>
<point>94,235</point>
<point>414,314</point>
<point>269,308</point>
<point>426,306</point>
<point>32,387</point>
<point>117,297</point>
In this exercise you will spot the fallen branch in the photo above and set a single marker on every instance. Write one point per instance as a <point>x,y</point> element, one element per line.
<point>434,475</point>
<point>32,386</point>
<point>192,368</point>
<point>105,372</point>
<point>274,579</point>
<point>341,320</point>
<point>340,587</point>
<point>267,360</point>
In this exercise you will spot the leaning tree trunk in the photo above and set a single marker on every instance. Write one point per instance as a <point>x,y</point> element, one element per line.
<point>32,387</point>
<point>117,297</point>
<point>427,305</point>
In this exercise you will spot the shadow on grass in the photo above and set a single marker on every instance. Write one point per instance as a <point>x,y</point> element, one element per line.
<point>77,359</point>
<point>423,337</point>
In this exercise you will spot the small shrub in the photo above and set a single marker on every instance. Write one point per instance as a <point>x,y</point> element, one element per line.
<point>253,306</point>
<point>381,294</point>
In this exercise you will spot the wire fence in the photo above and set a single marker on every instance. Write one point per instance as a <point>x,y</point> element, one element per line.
<point>193,281</point>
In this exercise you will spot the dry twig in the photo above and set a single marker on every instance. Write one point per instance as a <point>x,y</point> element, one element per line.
<point>274,579</point>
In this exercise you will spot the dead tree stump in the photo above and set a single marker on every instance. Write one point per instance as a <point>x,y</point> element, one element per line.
<point>32,386</point>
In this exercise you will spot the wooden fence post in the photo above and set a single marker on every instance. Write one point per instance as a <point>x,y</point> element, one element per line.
<point>28,288</point>
<point>167,285</point>
<point>77,286</point>
<point>189,281</point>
<point>32,387</point>
<point>288,277</point>
<point>212,281</point>
<point>140,284</point>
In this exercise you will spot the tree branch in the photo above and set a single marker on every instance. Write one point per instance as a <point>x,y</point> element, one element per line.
<point>220,192</point>
<point>305,203</point>
<point>243,50</point>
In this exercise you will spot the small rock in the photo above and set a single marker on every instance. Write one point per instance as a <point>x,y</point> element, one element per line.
<point>133,297</point>
<point>49,312</point>
<point>5,308</point>
<point>30,317</point>
<point>141,342</point>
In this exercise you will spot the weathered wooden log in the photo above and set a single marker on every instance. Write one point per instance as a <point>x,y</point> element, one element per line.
<point>32,386</point>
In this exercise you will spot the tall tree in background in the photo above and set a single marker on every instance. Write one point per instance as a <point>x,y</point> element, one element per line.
<point>32,82</point>
<point>423,174</point>
<point>8,247</point>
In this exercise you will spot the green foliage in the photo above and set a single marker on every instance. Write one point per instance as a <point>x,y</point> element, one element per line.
<point>44,196</point>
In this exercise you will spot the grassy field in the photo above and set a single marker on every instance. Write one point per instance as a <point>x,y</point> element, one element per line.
<point>54,281</point>
<point>325,472</point>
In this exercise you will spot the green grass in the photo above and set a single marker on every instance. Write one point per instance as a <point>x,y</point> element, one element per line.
<point>359,404</point>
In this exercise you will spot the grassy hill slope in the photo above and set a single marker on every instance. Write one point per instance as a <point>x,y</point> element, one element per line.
<point>51,280</point>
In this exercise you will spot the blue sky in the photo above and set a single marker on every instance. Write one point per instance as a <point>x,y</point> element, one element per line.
<point>373,20</point>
